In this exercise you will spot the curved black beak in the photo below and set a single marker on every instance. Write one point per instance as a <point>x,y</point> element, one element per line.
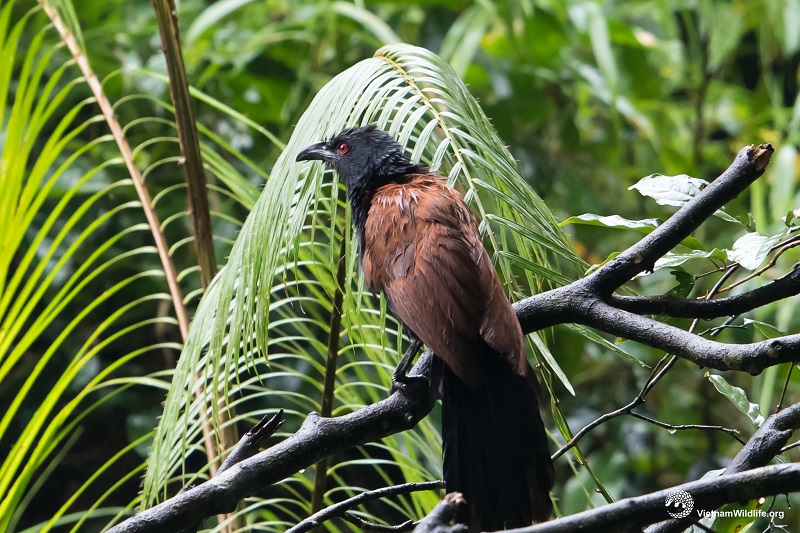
<point>317,151</point>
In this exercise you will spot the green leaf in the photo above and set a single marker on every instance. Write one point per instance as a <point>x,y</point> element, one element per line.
<point>601,46</point>
<point>767,330</point>
<point>751,249</point>
<point>463,39</point>
<point>212,15</point>
<point>685,283</point>
<point>738,397</point>
<point>791,20</point>
<point>592,268</point>
<point>790,217</point>
<point>669,190</point>
<point>368,20</point>
<point>737,522</point>
<point>674,191</point>
<point>725,26</point>
<point>781,180</point>
<point>613,221</point>
<point>671,259</point>
<point>77,272</point>
<point>551,362</point>
<point>646,225</point>
<point>605,343</point>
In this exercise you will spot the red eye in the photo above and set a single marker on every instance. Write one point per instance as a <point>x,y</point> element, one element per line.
<point>343,148</point>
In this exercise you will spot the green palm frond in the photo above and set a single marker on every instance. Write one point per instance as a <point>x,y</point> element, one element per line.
<point>56,205</point>
<point>273,298</point>
<point>80,281</point>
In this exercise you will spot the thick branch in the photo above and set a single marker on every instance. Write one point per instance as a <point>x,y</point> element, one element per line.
<point>751,358</point>
<point>763,447</point>
<point>766,443</point>
<point>784,287</point>
<point>317,438</point>
<point>631,514</point>
<point>575,304</point>
<point>538,312</point>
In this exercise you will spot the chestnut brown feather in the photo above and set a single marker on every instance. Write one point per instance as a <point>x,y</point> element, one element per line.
<point>423,250</point>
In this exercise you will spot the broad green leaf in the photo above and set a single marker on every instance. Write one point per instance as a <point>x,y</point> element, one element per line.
<point>752,249</point>
<point>674,191</point>
<point>685,284</point>
<point>646,225</point>
<point>613,221</point>
<point>767,330</point>
<point>669,190</point>
<point>738,397</point>
<point>737,521</point>
<point>671,259</point>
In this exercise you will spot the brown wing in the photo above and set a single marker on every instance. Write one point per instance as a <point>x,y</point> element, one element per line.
<point>422,248</point>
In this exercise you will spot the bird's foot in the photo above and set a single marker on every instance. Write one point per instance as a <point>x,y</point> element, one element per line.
<point>408,385</point>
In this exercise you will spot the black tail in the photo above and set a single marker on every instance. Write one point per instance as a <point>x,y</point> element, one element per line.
<point>495,448</point>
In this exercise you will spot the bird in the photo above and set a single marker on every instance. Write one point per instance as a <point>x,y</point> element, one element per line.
<point>419,244</point>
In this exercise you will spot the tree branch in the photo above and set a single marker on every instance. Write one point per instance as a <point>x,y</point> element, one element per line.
<point>249,444</point>
<point>783,287</point>
<point>763,447</point>
<point>575,304</point>
<point>631,514</point>
<point>439,518</point>
<point>318,437</point>
<point>751,358</point>
<point>539,312</point>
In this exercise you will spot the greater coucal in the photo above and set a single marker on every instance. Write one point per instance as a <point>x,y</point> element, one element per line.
<point>419,245</point>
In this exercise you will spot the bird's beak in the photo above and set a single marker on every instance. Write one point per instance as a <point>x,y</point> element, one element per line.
<point>313,152</point>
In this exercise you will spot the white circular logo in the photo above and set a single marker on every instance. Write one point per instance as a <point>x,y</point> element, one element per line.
<point>679,504</point>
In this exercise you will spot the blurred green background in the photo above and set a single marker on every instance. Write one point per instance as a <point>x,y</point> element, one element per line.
<point>589,96</point>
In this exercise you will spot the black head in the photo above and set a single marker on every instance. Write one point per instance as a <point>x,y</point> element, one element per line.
<point>365,157</point>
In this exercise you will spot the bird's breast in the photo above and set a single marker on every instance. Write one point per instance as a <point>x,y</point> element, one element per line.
<point>390,235</point>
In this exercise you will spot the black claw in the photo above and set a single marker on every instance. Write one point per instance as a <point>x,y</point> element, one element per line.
<point>408,385</point>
